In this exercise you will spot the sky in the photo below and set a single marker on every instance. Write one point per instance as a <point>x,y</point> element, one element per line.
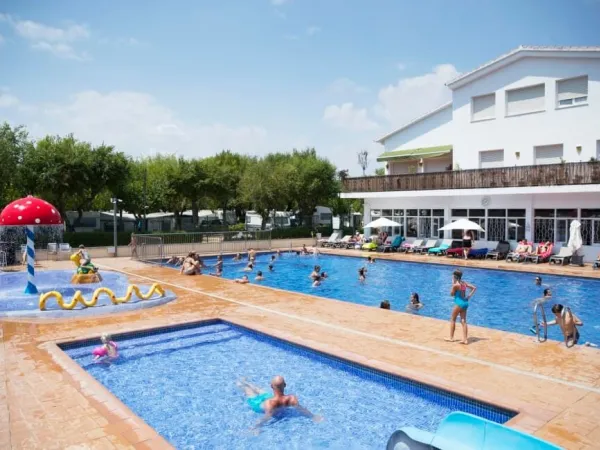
<point>192,77</point>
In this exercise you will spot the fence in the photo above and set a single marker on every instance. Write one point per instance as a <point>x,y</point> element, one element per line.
<point>157,247</point>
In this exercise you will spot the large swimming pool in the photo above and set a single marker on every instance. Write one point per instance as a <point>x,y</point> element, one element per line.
<point>503,300</point>
<point>182,382</point>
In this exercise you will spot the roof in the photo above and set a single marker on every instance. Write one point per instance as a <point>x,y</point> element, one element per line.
<point>414,153</point>
<point>411,123</point>
<point>522,52</point>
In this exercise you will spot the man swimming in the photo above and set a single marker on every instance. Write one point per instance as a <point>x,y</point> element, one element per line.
<point>261,401</point>
<point>568,323</point>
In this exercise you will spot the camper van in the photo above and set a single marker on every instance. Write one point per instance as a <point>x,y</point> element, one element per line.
<point>254,220</point>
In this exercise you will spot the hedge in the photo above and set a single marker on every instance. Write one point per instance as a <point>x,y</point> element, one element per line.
<point>96,238</point>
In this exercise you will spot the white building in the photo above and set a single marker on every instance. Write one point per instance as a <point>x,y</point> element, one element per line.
<point>517,145</point>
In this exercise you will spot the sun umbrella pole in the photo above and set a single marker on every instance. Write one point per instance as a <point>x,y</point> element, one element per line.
<point>31,288</point>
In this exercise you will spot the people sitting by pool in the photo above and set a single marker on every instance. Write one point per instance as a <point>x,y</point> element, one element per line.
<point>316,272</point>
<point>568,323</point>
<point>261,401</point>
<point>461,303</point>
<point>317,281</point>
<point>370,260</point>
<point>362,274</point>
<point>249,267</point>
<point>596,264</point>
<point>190,266</point>
<point>237,257</point>
<point>304,250</point>
<point>259,276</point>
<point>108,350</point>
<point>243,280</point>
<point>415,303</point>
<point>271,268</point>
<point>385,304</point>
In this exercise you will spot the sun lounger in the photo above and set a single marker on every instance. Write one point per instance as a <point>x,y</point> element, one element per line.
<point>408,246</point>
<point>541,257</point>
<point>392,245</point>
<point>441,249</point>
<point>431,243</point>
<point>500,252</point>
<point>342,243</point>
<point>478,253</point>
<point>332,239</point>
<point>465,431</point>
<point>520,253</point>
<point>455,252</point>
<point>563,256</point>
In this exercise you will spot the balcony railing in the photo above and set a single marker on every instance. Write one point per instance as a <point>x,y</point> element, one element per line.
<point>518,176</point>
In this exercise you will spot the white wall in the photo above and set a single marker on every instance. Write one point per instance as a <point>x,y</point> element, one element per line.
<point>575,126</point>
<point>430,132</point>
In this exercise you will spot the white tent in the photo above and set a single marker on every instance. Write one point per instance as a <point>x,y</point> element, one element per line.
<point>382,222</point>
<point>462,224</point>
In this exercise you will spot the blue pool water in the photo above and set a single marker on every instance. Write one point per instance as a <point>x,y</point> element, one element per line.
<point>503,299</point>
<point>14,302</point>
<point>182,382</point>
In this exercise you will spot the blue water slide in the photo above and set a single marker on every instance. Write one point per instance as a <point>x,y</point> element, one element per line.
<point>462,431</point>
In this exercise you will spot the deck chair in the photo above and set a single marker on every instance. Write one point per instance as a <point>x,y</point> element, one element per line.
<point>342,243</point>
<point>328,242</point>
<point>441,249</point>
<point>455,252</point>
<point>541,257</point>
<point>478,253</point>
<point>64,248</point>
<point>407,246</point>
<point>390,244</point>
<point>563,256</point>
<point>431,243</point>
<point>520,253</point>
<point>500,252</point>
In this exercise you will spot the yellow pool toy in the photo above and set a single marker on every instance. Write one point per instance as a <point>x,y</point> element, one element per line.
<point>78,297</point>
<point>85,274</point>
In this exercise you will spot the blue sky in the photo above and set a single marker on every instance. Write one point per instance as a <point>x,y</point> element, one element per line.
<point>255,76</point>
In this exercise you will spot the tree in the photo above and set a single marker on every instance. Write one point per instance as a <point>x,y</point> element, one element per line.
<point>380,171</point>
<point>363,161</point>
<point>14,142</point>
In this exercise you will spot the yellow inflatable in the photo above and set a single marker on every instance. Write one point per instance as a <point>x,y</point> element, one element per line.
<point>78,297</point>
<point>86,274</point>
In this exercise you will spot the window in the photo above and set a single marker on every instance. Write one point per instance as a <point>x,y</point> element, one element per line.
<point>491,158</point>
<point>564,217</point>
<point>525,100</point>
<point>590,226</point>
<point>437,222</point>
<point>516,224</point>
<point>483,107</point>
<point>572,91</point>
<point>412,223</point>
<point>324,217</point>
<point>548,154</point>
<point>398,216</point>
<point>496,225</point>
<point>543,225</point>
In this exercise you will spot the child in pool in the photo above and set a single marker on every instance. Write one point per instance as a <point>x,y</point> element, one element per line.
<point>243,280</point>
<point>237,257</point>
<point>108,350</point>
<point>249,267</point>
<point>362,274</point>
<point>385,304</point>
<point>317,281</point>
<point>415,303</point>
<point>259,276</point>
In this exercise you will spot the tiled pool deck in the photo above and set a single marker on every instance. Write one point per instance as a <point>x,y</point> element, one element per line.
<point>48,402</point>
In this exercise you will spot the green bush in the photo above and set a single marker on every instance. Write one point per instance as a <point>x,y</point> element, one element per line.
<point>237,227</point>
<point>96,238</point>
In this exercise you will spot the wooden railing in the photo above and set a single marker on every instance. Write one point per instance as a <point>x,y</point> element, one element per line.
<point>518,176</point>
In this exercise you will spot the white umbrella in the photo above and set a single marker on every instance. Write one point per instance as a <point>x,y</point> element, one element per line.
<point>382,222</point>
<point>462,224</point>
<point>575,241</point>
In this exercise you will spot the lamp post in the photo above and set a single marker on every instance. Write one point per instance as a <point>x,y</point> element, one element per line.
<point>115,202</point>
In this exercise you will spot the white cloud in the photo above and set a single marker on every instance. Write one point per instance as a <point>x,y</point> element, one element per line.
<point>349,117</point>
<point>346,86</point>
<point>312,30</point>
<point>54,40</point>
<point>8,100</point>
<point>137,124</point>
<point>411,97</point>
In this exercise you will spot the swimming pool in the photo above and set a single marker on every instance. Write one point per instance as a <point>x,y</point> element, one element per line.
<point>14,302</point>
<point>181,381</point>
<point>503,299</point>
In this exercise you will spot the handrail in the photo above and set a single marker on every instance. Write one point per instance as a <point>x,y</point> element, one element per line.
<point>536,322</point>
<point>517,176</point>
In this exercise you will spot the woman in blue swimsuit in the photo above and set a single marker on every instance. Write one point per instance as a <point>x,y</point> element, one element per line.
<point>461,304</point>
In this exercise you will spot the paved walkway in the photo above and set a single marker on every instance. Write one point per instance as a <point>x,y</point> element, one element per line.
<point>47,401</point>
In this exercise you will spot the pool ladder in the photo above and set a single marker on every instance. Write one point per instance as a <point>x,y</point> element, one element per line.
<point>536,321</point>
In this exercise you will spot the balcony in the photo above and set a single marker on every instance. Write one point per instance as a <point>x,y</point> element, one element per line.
<point>503,177</point>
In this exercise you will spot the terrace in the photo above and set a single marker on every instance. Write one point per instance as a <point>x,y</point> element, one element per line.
<point>580,173</point>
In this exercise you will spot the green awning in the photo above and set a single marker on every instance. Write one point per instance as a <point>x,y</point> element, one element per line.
<point>415,153</point>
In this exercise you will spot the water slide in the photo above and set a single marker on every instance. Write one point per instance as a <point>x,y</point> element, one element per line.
<point>462,431</point>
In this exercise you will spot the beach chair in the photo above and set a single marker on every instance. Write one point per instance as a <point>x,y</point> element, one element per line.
<point>391,244</point>
<point>329,242</point>
<point>441,249</point>
<point>478,253</point>
<point>520,253</point>
<point>455,252</point>
<point>562,257</point>
<point>64,249</point>
<point>342,243</point>
<point>407,246</point>
<point>465,431</point>
<point>431,243</point>
<point>500,252</point>
<point>544,256</point>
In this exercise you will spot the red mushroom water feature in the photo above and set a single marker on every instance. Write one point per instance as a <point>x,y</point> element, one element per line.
<point>30,212</point>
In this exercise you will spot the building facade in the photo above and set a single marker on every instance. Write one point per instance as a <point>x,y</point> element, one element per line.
<point>516,150</point>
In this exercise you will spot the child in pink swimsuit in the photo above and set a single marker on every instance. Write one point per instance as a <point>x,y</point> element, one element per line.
<point>107,350</point>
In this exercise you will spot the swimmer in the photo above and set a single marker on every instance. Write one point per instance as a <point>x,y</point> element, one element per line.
<point>271,268</point>
<point>304,250</point>
<point>315,273</point>
<point>190,266</point>
<point>173,260</point>
<point>461,303</point>
<point>385,305</point>
<point>538,281</point>
<point>108,350</point>
<point>317,281</point>
<point>237,257</point>
<point>324,275</point>
<point>370,260</point>
<point>243,280</point>
<point>273,257</point>
<point>278,252</point>
<point>261,401</point>
<point>251,254</point>
<point>568,324</point>
<point>362,274</point>
<point>315,251</point>
<point>297,253</point>
<point>249,267</point>
<point>259,276</point>
<point>218,267</point>
<point>545,299</point>
<point>415,303</point>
